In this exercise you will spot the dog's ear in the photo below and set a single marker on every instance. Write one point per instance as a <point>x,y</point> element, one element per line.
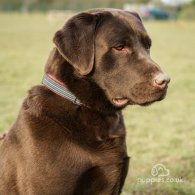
<point>75,41</point>
<point>135,14</point>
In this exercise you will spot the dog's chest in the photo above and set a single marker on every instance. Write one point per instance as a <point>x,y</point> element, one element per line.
<point>73,169</point>
<point>97,173</point>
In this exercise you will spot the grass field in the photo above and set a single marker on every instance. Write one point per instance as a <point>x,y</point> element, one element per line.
<point>162,133</point>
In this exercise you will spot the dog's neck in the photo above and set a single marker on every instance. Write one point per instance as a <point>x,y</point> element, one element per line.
<point>58,88</point>
<point>83,87</point>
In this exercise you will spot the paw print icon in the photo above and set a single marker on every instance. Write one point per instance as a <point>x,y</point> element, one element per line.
<point>159,170</point>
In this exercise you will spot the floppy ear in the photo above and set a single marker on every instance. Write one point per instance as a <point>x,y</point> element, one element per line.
<point>75,41</point>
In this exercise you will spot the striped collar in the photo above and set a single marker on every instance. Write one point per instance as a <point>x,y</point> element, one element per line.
<point>59,88</point>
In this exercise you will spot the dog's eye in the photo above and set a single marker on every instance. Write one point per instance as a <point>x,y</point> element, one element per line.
<point>146,42</point>
<point>119,48</point>
<point>147,46</point>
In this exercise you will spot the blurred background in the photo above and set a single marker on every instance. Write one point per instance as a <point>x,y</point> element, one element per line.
<point>163,133</point>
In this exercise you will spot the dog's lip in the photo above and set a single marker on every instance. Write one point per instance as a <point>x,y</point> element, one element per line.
<point>119,101</point>
<point>163,95</point>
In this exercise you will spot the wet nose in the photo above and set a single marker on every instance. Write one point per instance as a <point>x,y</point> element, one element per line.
<point>161,80</point>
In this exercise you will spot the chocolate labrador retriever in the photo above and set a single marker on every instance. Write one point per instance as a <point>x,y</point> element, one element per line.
<point>69,136</point>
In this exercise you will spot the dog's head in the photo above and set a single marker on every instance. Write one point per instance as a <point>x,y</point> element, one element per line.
<point>112,47</point>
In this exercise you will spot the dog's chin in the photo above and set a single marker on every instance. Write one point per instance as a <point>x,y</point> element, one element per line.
<point>147,101</point>
<point>152,100</point>
<point>125,102</point>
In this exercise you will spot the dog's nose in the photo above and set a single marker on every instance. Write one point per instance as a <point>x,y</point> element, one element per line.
<point>161,80</point>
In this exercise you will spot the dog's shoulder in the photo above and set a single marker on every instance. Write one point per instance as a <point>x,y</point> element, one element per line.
<point>37,100</point>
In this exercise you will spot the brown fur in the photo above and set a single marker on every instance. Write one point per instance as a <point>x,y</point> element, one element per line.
<point>56,147</point>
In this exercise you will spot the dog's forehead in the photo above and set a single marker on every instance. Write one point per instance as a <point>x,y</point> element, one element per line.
<point>126,18</point>
<point>130,19</point>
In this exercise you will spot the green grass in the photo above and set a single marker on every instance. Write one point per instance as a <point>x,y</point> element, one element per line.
<point>162,133</point>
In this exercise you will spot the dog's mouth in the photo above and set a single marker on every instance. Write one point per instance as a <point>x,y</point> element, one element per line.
<point>158,97</point>
<point>148,100</point>
<point>120,101</point>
